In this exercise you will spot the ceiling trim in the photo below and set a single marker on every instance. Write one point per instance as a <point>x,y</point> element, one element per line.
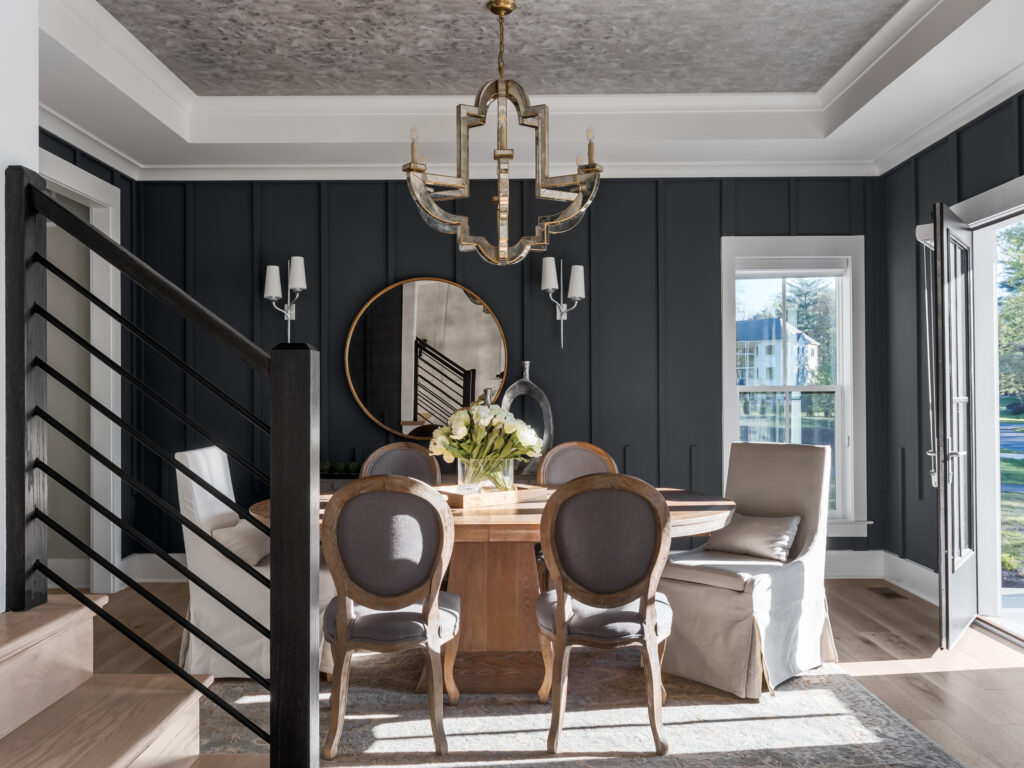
<point>696,134</point>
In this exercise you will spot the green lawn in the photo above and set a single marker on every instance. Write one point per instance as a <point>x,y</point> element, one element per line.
<point>1012,471</point>
<point>1013,531</point>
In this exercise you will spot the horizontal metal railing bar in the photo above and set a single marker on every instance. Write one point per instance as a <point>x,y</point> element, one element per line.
<point>150,392</point>
<point>425,391</point>
<point>441,371</point>
<point>425,382</point>
<point>156,500</point>
<point>155,601</point>
<point>442,409</point>
<point>148,543</point>
<point>153,344</point>
<point>429,373</point>
<point>151,445</point>
<point>148,278</point>
<point>434,352</point>
<point>140,641</point>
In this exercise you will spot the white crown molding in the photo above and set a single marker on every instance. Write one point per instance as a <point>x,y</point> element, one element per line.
<point>140,118</point>
<point>88,31</point>
<point>88,143</point>
<point>999,90</point>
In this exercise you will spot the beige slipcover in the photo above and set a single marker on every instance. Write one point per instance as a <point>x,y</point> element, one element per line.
<point>209,513</point>
<point>740,620</point>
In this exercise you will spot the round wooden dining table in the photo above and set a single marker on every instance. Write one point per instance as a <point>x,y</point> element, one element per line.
<point>494,572</point>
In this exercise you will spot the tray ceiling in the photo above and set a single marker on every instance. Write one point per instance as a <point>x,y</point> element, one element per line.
<point>341,47</point>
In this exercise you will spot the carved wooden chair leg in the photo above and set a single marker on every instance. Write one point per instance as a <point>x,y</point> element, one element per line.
<point>543,576</point>
<point>339,699</point>
<point>559,690</point>
<point>451,648</point>
<point>544,693</point>
<point>652,670</point>
<point>435,698</point>
<point>661,676</point>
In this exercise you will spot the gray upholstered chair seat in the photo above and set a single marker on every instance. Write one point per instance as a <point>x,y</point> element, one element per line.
<point>395,626</point>
<point>605,623</point>
<point>717,569</point>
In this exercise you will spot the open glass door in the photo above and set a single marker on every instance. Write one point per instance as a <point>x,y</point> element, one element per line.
<point>949,289</point>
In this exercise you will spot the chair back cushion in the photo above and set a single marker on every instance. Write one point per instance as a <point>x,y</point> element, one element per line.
<point>780,480</point>
<point>568,461</point>
<point>607,533</point>
<point>198,504</point>
<point>756,535</point>
<point>388,541</point>
<point>405,459</point>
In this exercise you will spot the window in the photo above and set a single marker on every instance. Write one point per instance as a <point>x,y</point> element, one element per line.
<point>789,305</point>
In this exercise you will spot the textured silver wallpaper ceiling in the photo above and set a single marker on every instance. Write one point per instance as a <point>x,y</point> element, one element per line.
<point>324,47</point>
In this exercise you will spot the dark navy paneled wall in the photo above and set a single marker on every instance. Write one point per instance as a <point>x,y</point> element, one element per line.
<point>979,156</point>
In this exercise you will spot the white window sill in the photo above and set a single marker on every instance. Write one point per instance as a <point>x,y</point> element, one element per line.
<point>848,528</point>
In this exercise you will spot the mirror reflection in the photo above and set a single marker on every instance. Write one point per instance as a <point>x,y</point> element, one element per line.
<point>421,349</point>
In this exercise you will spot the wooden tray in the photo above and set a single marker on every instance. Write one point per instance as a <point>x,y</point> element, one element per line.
<point>491,497</point>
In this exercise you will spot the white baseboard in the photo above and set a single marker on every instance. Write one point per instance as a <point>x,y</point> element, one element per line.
<point>148,567</point>
<point>74,569</point>
<point>878,564</point>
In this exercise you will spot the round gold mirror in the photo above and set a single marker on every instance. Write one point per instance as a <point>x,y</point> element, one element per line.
<point>421,349</point>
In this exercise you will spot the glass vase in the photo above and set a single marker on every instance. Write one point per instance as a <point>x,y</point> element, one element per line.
<point>476,475</point>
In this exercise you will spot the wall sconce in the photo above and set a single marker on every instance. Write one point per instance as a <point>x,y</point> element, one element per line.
<point>550,282</point>
<point>296,285</point>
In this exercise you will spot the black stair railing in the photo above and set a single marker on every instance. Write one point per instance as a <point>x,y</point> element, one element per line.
<point>440,385</point>
<point>294,375</point>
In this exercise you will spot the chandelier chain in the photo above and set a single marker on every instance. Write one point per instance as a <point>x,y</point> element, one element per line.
<point>501,47</point>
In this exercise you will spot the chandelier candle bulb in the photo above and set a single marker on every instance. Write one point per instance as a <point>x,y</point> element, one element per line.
<point>296,274</point>
<point>548,277</point>
<point>272,284</point>
<point>590,146</point>
<point>414,136</point>
<point>576,290</point>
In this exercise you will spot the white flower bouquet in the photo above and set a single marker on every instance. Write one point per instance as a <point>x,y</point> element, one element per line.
<point>487,440</point>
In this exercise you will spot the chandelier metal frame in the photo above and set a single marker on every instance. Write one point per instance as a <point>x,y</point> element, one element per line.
<point>577,189</point>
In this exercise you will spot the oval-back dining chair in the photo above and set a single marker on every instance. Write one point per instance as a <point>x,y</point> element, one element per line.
<point>387,541</point>
<point>567,461</point>
<point>606,538</point>
<point>406,459</point>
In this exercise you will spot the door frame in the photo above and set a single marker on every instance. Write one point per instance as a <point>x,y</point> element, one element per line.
<point>104,203</point>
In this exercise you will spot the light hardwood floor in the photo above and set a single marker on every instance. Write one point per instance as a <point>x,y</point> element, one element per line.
<point>969,700</point>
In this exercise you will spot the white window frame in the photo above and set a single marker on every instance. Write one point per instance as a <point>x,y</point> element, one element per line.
<point>842,257</point>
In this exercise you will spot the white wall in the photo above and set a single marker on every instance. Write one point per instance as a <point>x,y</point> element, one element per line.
<point>19,144</point>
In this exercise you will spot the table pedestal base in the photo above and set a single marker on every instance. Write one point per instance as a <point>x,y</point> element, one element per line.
<point>495,672</point>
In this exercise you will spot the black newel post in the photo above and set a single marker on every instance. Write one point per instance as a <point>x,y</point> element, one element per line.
<point>26,390</point>
<point>294,556</point>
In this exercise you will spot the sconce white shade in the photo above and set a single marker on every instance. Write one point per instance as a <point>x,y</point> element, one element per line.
<point>548,276</point>
<point>272,284</point>
<point>296,274</point>
<point>577,291</point>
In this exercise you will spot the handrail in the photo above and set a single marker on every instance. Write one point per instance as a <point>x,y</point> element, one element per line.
<point>147,390</point>
<point>151,342</point>
<point>148,278</point>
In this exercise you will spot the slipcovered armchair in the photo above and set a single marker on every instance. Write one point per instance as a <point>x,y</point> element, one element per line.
<point>243,539</point>
<point>405,459</point>
<point>742,619</point>
<point>388,540</point>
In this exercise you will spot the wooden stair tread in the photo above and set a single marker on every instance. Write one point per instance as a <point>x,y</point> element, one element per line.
<point>23,629</point>
<point>231,760</point>
<point>107,721</point>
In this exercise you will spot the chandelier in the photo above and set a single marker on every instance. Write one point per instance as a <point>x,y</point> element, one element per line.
<point>577,190</point>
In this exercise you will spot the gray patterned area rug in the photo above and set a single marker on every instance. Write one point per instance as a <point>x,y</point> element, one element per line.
<point>824,718</point>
